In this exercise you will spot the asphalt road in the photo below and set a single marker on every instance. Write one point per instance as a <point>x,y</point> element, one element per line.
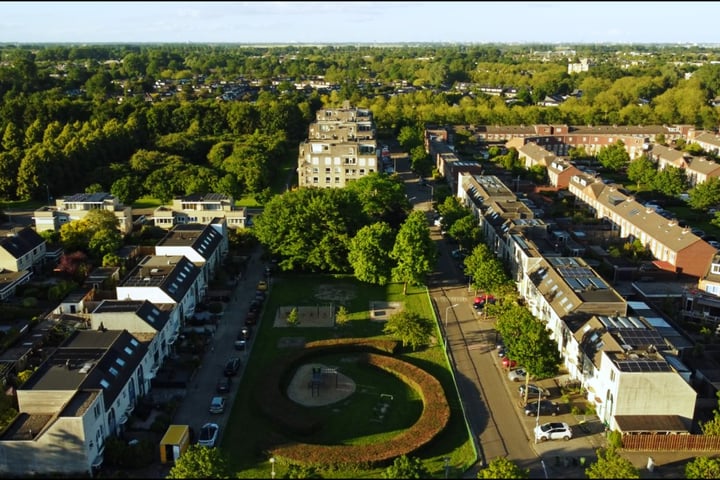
<point>490,400</point>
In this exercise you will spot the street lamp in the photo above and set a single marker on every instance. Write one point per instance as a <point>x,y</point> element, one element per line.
<point>537,418</point>
<point>446,315</point>
<point>272,467</point>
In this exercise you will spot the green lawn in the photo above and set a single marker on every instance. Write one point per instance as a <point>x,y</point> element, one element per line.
<point>247,435</point>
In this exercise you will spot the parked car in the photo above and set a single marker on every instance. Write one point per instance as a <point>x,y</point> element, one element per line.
<point>217,405</point>
<point>208,434</point>
<point>546,408</point>
<point>240,344</point>
<point>223,385</point>
<point>517,375</point>
<point>533,391</point>
<point>232,366</point>
<point>245,333</point>
<point>262,285</point>
<point>553,431</point>
<point>482,300</point>
<point>508,363</point>
<point>251,318</point>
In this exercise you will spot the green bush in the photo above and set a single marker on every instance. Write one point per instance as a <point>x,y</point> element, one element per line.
<point>614,439</point>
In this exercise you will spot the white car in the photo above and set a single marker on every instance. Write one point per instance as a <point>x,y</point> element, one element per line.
<point>208,434</point>
<point>517,375</point>
<point>553,431</point>
<point>217,405</point>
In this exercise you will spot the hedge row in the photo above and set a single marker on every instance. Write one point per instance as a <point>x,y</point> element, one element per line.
<point>434,418</point>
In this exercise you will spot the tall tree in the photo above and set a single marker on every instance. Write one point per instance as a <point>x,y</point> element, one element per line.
<point>610,464</point>
<point>200,462</point>
<point>414,251</point>
<point>642,171</point>
<point>614,157</point>
<point>487,272</point>
<point>501,467</point>
<point>410,328</point>
<point>369,253</point>
<point>703,467</point>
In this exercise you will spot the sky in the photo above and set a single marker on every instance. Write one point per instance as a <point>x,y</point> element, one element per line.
<point>359,22</point>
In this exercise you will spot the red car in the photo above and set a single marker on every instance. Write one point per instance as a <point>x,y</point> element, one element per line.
<point>507,363</point>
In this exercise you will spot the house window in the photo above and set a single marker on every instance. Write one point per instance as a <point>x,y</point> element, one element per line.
<point>315,170</point>
<point>714,289</point>
<point>315,180</point>
<point>327,180</point>
<point>337,179</point>
<point>715,268</point>
<point>328,170</point>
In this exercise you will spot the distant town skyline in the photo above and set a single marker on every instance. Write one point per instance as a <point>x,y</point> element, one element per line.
<point>360,22</point>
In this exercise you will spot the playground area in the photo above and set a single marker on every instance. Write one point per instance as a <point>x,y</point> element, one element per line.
<point>315,385</point>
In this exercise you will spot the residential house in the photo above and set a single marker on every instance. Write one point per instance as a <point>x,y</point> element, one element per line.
<point>75,207</point>
<point>204,209</point>
<point>631,373</point>
<point>665,156</point>
<point>165,280</point>
<point>700,169</point>
<point>560,171</point>
<point>72,403</point>
<point>153,325</point>
<point>708,141</point>
<point>675,248</point>
<point>204,245</point>
<point>22,249</point>
<point>564,292</point>
<point>531,154</point>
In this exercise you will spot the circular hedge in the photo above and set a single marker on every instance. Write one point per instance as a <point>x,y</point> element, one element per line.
<point>285,414</point>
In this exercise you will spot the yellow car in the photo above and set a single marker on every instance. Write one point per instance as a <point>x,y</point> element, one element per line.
<point>262,285</point>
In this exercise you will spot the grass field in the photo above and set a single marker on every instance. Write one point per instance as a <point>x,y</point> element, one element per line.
<point>348,420</point>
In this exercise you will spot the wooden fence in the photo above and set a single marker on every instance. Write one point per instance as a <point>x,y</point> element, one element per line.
<point>659,443</point>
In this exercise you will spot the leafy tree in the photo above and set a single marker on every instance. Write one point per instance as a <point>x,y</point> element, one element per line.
<point>414,251</point>
<point>501,467</point>
<point>712,426</point>
<point>671,181</point>
<point>200,462</point>
<point>406,467</point>
<point>706,194</point>
<point>410,328</point>
<point>94,188</point>
<point>488,273</point>
<point>451,210</point>
<point>614,157</point>
<point>610,464</point>
<point>292,317</point>
<point>383,198</point>
<point>466,231</point>
<point>127,189</point>
<point>642,171</point>
<point>534,349</point>
<point>342,316</point>
<point>410,137</point>
<point>310,228</point>
<point>420,161</point>
<point>368,253</point>
<point>703,467</point>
